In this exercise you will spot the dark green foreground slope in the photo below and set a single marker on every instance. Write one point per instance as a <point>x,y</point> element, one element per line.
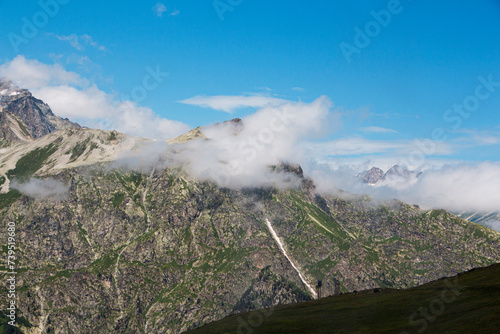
<point>467,303</point>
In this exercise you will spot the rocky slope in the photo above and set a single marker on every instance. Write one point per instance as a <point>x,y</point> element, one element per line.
<point>156,251</point>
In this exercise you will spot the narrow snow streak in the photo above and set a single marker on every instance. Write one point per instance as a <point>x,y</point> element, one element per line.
<point>278,240</point>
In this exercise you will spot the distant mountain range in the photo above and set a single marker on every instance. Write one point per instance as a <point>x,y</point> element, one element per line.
<point>376,175</point>
<point>109,244</point>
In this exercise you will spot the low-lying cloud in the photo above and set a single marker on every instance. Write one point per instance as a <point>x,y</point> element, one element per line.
<point>242,152</point>
<point>459,188</point>
<point>42,188</point>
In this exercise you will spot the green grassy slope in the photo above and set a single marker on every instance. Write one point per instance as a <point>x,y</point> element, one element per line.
<point>467,303</point>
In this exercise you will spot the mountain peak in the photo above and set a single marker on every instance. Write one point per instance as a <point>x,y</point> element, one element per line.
<point>375,174</point>
<point>9,89</point>
<point>400,172</point>
<point>372,176</point>
<point>24,117</point>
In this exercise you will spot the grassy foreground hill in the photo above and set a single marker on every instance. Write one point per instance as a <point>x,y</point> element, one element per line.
<point>466,303</point>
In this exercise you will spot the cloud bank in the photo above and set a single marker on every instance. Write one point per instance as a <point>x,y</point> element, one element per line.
<point>458,188</point>
<point>241,152</point>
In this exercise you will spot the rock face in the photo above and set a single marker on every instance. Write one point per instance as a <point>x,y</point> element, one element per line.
<point>24,117</point>
<point>396,172</point>
<point>372,176</point>
<point>156,251</point>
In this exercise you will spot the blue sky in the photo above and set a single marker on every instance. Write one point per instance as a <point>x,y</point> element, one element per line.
<point>394,90</point>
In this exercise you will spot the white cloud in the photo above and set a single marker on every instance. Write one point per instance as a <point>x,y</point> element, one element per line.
<point>159,9</point>
<point>34,74</point>
<point>378,129</point>
<point>458,187</point>
<point>79,42</point>
<point>229,104</point>
<point>471,138</point>
<point>239,154</point>
<point>494,225</point>
<point>82,104</point>
<point>175,13</point>
<point>42,188</point>
<point>130,118</point>
<point>69,95</point>
<point>362,146</point>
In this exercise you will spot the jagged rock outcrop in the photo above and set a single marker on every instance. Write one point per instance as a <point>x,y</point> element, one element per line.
<point>400,172</point>
<point>372,176</point>
<point>396,172</point>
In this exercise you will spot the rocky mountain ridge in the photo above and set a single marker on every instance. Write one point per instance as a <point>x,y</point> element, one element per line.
<point>396,172</point>
<point>137,245</point>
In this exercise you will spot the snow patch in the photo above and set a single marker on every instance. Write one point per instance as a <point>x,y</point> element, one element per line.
<point>278,240</point>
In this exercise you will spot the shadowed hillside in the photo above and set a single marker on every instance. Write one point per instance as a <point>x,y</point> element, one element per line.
<point>466,303</point>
